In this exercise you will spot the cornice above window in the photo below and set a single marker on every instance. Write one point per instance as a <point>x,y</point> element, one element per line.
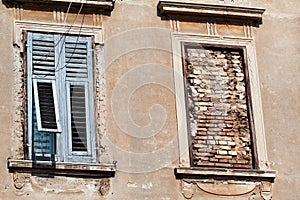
<point>105,5</point>
<point>217,11</point>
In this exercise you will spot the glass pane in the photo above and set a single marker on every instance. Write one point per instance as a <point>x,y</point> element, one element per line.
<point>78,118</point>
<point>43,142</point>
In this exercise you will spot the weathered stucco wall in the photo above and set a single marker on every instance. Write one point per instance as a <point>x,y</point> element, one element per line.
<point>277,43</point>
<point>140,122</point>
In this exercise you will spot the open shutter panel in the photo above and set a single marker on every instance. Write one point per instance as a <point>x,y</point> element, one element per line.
<point>46,105</point>
<point>43,55</point>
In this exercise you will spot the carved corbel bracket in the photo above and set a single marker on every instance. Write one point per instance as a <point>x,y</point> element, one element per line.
<point>250,190</point>
<point>266,190</point>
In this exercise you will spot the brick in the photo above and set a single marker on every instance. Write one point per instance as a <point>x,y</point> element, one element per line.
<point>199,146</point>
<point>223,165</point>
<point>231,143</point>
<point>233,153</point>
<point>213,159</point>
<point>222,152</point>
<point>232,161</point>
<point>214,129</point>
<point>204,158</point>
<point>223,157</point>
<point>201,133</point>
<point>225,147</point>
<point>223,160</point>
<point>205,164</point>
<point>242,166</point>
<point>222,142</point>
<point>211,142</point>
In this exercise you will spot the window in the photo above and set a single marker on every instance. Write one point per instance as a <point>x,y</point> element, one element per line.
<point>60,97</point>
<point>219,112</point>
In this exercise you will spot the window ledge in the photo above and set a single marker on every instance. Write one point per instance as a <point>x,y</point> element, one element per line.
<point>62,168</point>
<point>226,12</point>
<point>225,174</point>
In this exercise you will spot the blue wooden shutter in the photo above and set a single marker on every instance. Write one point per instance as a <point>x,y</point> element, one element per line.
<point>43,118</point>
<point>79,81</point>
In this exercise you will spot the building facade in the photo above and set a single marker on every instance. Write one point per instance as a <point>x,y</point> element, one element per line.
<point>149,99</point>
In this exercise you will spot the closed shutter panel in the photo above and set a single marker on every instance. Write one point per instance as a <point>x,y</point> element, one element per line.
<point>44,111</point>
<point>78,77</point>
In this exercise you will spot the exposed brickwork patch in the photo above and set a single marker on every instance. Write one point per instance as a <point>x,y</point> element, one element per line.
<point>218,112</point>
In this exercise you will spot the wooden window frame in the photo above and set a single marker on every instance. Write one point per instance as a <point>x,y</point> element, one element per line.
<point>60,85</point>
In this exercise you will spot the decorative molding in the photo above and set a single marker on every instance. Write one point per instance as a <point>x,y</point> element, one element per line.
<point>224,12</point>
<point>21,26</point>
<point>18,11</point>
<point>19,181</point>
<point>174,24</point>
<point>266,190</point>
<point>211,27</point>
<point>97,19</point>
<point>58,15</point>
<point>227,189</point>
<point>187,189</point>
<point>248,30</point>
<point>231,188</point>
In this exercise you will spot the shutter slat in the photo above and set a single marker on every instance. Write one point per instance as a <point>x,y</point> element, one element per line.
<point>77,61</point>
<point>76,51</point>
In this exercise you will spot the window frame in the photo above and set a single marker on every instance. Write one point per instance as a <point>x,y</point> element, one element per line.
<point>64,138</point>
<point>258,133</point>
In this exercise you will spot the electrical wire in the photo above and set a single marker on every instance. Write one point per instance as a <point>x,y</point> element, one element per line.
<point>63,37</point>
<point>46,56</point>
<point>61,49</point>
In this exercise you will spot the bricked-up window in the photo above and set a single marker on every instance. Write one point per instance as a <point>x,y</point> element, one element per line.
<point>217,107</point>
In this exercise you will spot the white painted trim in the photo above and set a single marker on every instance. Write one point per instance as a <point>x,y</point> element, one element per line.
<point>20,26</point>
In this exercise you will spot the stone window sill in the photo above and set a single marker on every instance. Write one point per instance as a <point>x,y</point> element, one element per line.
<point>225,174</point>
<point>48,168</point>
<point>225,12</point>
